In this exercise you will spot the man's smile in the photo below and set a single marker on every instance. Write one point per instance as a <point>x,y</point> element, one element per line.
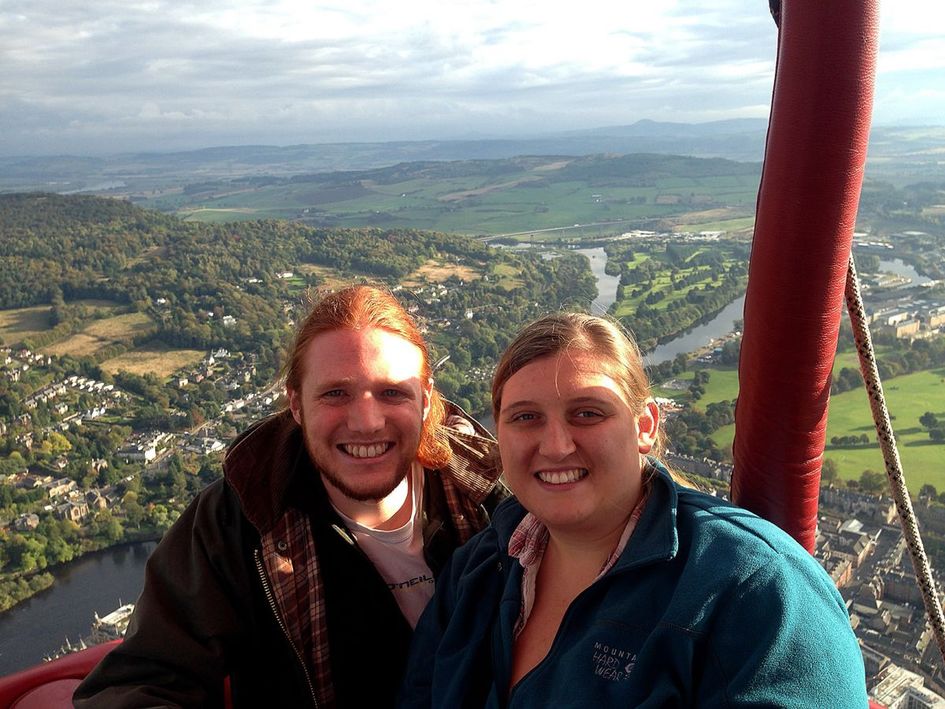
<point>366,450</point>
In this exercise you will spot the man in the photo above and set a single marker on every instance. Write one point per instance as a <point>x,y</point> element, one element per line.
<point>301,574</point>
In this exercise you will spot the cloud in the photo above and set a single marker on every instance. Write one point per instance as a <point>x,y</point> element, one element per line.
<point>155,73</point>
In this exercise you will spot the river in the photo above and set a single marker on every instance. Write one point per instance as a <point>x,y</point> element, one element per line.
<point>606,285</point>
<point>694,339</point>
<point>96,583</point>
<point>901,268</point>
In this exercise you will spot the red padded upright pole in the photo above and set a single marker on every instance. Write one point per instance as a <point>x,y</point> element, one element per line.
<point>807,202</point>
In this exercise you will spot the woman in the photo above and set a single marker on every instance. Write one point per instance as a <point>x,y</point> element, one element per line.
<point>607,583</point>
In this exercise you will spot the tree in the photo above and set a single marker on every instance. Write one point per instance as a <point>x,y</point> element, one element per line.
<point>134,511</point>
<point>928,491</point>
<point>872,482</point>
<point>58,444</point>
<point>929,420</point>
<point>59,551</point>
<point>828,470</point>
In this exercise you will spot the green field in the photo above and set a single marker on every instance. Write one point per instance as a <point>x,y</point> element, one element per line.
<point>908,397</point>
<point>494,197</point>
<point>722,225</point>
<point>661,281</point>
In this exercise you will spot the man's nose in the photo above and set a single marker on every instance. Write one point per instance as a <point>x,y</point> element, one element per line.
<point>556,440</point>
<point>365,415</point>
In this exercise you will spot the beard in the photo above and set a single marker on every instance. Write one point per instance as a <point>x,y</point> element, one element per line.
<point>352,486</point>
<point>370,493</point>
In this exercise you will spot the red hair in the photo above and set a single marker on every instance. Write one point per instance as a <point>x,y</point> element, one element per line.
<point>362,307</point>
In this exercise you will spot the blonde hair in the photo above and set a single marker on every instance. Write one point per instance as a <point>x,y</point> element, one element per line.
<point>579,333</point>
<point>359,308</point>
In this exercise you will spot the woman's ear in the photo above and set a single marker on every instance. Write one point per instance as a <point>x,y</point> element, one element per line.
<point>648,424</point>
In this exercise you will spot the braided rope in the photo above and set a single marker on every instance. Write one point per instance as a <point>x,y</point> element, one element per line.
<point>887,441</point>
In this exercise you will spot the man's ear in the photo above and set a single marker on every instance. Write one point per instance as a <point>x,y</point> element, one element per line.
<point>648,425</point>
<point>295,404</point>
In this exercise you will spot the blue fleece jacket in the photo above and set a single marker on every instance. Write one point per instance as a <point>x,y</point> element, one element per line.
<point>708,606</point>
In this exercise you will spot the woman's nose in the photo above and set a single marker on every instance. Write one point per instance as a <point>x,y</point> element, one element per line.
<point>556,441</point>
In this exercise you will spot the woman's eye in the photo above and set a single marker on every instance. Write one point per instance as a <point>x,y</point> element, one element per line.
<point>523,417</point>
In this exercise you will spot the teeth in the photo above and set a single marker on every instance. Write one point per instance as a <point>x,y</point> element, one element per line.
<point>560,477</point>
<point>371,450</point>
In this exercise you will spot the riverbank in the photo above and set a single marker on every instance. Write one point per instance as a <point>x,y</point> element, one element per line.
<point>19,587</point>
<point>96,583</point>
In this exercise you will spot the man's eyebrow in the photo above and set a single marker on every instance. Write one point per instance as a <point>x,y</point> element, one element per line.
<point>332,383</point>
<point>382,383</point>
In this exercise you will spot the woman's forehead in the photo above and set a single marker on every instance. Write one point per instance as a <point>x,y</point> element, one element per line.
<point>563,374</point>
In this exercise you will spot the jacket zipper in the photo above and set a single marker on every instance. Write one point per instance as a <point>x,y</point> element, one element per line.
<point>554,643</point>
<point>285,631</point>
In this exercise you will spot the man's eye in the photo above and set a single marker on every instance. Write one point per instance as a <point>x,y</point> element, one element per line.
<point>588,415</point>
<point>523,417</point>
<point>394,393</point>
<point>333,393</point>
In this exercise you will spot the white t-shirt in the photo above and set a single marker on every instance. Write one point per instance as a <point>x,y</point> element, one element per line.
<point>397,554</point>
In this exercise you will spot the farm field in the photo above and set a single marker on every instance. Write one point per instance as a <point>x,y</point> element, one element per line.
<point>160,361</point>
<point>494,197</point>
<point>23,323</point>
<point>330,278</point>
<point>99,334</point>
<point>908,397</point>
<point>19,324</point>
<point>719,223</point>
<point>435,271</point>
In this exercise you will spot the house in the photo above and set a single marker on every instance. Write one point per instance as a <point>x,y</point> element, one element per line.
<point>96,500</point>
<point>73,511</point>
<point>26,522</point>
<point>59,487</point>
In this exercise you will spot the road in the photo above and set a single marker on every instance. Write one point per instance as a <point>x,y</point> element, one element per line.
<point>550,229</point>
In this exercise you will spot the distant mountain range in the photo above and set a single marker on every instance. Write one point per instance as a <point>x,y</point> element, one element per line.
<point>738,139</point>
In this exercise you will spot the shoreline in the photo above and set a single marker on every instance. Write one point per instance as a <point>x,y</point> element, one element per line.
<point>13,581</point>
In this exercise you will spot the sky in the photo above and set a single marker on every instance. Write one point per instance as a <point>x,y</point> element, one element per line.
<point>94,77</point>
